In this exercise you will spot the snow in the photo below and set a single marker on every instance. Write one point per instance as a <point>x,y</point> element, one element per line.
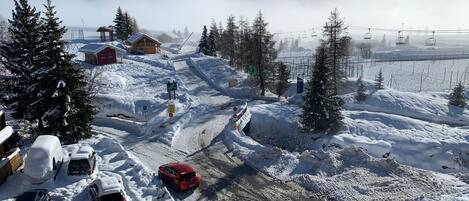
<point>5,133</point>
<point>95,48</point>
<point>139,183</point>
<point>39,163</point>
<point>350,165</point>
<point>137,36</point>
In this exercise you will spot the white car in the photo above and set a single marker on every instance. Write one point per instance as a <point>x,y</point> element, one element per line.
<point>82,161</point>
<point>107,189</point>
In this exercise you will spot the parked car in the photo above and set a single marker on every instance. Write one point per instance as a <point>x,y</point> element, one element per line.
<point>107,189</point>
<point>44,157</point>
<point>34,195</point>
<point>179,175</point>
<point>82,161</point>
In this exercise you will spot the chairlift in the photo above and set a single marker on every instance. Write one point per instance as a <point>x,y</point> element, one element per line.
<point>431,41</point>
<point>313,34</point>
<point>400,38</point>
<point>367,35</point>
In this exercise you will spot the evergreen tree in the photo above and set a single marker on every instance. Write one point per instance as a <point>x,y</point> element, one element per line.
<point>23,57</point>
<point>379,81</point>
<point>68,111</point>
<point>336,46</point>
<point>228,37</point>
<point>120,25</point>
<point>212,43</point>
<point>186,32</point>
<point>128,25</point>
<point>456,97</point>
<point>245,48</point>
<point>321,111</point>
<point>283,74</point>
<point>263,51</point>
<point>361,91</point>
<point>204,42</point>
<point>134,26</point>
<point>3,29</point>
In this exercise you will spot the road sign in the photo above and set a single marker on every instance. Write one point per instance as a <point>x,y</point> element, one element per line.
<point>171,107</point>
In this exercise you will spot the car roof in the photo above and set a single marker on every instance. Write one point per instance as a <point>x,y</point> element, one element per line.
<point>181,167</point>
<point>84,152</point>
<point>108,185</point>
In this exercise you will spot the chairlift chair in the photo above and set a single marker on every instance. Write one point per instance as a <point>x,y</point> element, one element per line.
<point>400,39</point>
<point>368,35</point>
<point>431,41</point>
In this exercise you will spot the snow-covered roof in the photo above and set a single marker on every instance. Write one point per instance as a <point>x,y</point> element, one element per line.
<point>84,152</point>
<point>137,36</point>
<point>108,185</point>
<point>95,48</point>
<point>5,133</point>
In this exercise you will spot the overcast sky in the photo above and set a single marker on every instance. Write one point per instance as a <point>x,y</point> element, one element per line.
<point>283,15</point>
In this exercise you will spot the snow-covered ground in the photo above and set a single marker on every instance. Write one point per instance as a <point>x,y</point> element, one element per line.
<point>414,76</point>
<point>112,160</point>
<point>350,172</point>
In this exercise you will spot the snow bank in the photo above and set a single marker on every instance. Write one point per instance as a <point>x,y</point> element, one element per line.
<point>217,74</point>
<point>343,174</point>
<point>431,107</point>
<point>138,181</point>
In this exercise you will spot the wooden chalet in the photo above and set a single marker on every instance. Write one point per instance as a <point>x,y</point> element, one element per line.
<point>141,43</point>
<point>101,54</point>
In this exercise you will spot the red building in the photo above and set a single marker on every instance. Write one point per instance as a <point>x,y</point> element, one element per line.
<point>100,54</point>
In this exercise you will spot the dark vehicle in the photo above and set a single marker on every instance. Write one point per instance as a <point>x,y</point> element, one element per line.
<point>82,162</point>
<point>34,195</point>
<point>179,175</point>
<point>107,189</point>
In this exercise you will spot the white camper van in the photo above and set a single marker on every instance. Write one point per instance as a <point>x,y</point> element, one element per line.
<point>44,156</point>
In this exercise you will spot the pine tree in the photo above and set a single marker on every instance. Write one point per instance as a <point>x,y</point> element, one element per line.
<point>321,111</point>
<point>186,32</point>
<point>3,29</point>
<point>379,81</point>
<point>228,37</point>
<point>283,74</point>
<point>456,97</point>
<point>334,31</point>
<point>128,29</point>
<point>23,57</point>
<point>119,25</point>
<point>263,52</point>
<point>203,43</point>
<point>245,46</point>
<point>212,43</point>
<point>69,112</point>
<point>133,26</point>
<point>361,91</point>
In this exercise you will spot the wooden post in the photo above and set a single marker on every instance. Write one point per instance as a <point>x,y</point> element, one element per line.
<point>444,75</point>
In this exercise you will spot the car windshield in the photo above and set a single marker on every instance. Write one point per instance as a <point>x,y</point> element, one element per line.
<point>112,197</point>
<point>77,165</point>
<point>188,176</point>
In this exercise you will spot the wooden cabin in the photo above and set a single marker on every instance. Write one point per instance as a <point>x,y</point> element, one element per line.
<point>141,43</point>
<point>101,54</point>
<point>102,33</point>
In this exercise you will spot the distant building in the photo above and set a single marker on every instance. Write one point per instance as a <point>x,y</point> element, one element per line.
<point>102,33</point>
<point>141,43</point>
<point>100,54</point>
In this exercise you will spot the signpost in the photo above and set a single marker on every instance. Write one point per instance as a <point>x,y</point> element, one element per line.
<point>171,109</point>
